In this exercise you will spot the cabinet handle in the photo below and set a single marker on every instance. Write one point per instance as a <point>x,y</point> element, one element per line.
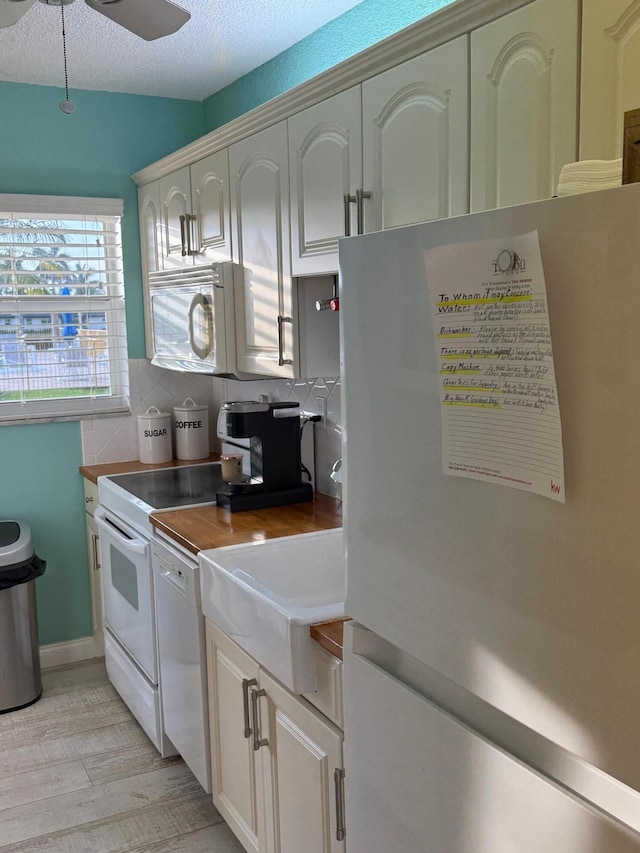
<point>187,220</point>
<point>94,550</point>
<point>194,244</point>
<point>348,199</point>
<point>183,228</point>
<point>257,740</point>
<point>360,197</point>
<point>338,781</point>
<point>88,500</point>
<point>281,359</point>
<point>246,684</point>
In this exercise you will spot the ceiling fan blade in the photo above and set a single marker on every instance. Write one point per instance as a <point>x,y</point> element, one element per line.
<point>12,10</point>
<point>149,19</point>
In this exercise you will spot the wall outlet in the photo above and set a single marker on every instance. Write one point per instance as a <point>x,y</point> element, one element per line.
<point>321,403</point>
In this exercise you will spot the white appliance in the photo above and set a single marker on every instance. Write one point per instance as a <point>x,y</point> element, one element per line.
<point>130,630</point>
<point>492,696</point>
<point>128,588</point>
<point>182,656</point>
<point>193,318</point>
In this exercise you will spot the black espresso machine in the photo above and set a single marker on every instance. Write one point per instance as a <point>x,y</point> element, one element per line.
<point>274,447</point>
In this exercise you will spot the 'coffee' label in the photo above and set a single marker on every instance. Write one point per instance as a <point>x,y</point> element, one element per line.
<point>188,424</point>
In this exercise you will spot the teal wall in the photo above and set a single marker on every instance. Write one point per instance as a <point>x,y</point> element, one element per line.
<point>90,153</point>
<point>359,28</point>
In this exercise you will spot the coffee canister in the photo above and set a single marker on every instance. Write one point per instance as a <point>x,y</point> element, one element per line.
<point>191,423</point>
<point>154,436</point>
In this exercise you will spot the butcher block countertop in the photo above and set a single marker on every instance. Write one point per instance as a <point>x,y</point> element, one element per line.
<point>200,528</point>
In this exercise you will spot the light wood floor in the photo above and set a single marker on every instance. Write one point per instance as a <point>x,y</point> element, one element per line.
<point>78,775</point>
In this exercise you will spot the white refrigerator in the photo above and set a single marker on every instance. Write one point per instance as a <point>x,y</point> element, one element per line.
<point>492,667</point>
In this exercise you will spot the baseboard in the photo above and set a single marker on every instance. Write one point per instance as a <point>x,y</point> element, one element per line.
<point>58,654</point>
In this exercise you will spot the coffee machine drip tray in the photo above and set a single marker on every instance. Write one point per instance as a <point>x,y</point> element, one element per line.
<point>236,501</point>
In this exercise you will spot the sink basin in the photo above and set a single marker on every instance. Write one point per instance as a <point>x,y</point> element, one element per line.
<point>264,595</point>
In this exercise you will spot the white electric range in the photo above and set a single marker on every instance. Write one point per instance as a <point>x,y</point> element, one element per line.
<point>154,627</point>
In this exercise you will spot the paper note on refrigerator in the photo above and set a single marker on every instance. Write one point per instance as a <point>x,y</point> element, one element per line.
<point>500,415</point>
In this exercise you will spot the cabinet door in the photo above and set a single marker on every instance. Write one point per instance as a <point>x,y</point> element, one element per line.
<point>175,204</point>
<point>230,674</point>
<point>523,103</point>
<point>150,227</point>
<point>265,337</point>
<point>610,75</point>
<point>150,216</point>
<point>325,165</point>
<point>298,765</point>
<point>211,228</point>
<point>97,618</point>
<point>415,139</point>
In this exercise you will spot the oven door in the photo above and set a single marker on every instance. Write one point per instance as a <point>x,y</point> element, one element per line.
<point>127,588</point>
<point>188,311</point>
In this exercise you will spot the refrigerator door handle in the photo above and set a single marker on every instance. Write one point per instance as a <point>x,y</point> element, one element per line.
<point>338,781</point>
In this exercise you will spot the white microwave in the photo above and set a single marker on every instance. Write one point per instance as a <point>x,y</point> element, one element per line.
<point>193,318</point>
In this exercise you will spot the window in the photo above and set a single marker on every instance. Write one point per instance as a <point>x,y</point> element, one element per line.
<point>63,347</point>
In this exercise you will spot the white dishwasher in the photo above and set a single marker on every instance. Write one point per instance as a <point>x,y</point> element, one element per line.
<point>181,655</point>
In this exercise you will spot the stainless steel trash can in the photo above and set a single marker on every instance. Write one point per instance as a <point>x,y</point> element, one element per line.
<point>20,678</point>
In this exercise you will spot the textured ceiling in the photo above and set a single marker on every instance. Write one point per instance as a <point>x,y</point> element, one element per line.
<point>224,40</point>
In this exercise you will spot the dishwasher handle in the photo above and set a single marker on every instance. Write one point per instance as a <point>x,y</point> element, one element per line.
<point>122,533</point>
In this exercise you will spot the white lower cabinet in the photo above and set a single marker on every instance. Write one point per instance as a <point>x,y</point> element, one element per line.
<point>276,762</point>
<point>93,547</point>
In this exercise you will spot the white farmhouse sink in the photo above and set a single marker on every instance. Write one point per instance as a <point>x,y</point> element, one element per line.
<point>264,595</point>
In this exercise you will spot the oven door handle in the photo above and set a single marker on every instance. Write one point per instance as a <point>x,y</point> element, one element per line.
<point>128,538</point>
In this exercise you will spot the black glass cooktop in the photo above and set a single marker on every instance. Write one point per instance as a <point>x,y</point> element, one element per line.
<point>173,487</point>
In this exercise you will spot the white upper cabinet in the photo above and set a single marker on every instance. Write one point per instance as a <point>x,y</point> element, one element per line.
<point>523,103</point>
<point>150,227</point>
<point>391,152</point>
<point>211,207</point>
<point>175,205</point>
<point>260,235</point>
<point>195,214</point>
<point>415,140</point>
<point>325,166</point>
<point>610,75</point>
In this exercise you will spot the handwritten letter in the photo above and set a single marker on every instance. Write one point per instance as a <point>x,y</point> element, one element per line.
<point>500,416</point>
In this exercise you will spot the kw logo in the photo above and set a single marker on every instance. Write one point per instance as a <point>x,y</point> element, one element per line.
<point>555,488</point>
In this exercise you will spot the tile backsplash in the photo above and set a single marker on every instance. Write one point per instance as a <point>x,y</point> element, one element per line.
<point>115,439</point>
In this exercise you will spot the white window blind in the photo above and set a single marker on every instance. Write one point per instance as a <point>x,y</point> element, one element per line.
<point>63,344</point>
